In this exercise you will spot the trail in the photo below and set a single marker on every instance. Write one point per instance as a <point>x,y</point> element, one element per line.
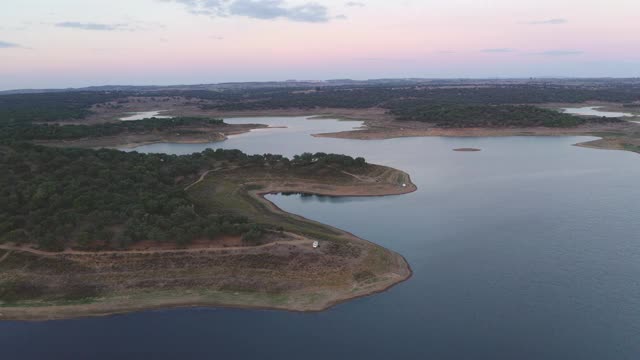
<point>204,174</point>
<point>5,255</point>
<point>365,179</point>
<point>10,249</point>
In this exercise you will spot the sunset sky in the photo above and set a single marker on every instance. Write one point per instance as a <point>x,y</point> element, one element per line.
<point>73,43</point>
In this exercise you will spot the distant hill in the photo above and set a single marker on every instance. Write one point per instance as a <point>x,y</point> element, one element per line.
<point>586,82</point>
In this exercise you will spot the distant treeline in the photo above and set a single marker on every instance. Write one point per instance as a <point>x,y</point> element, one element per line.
<point>109,199</point>
<point>492,116</point>
<point>27,131</point>
<point>60,106</point>
<point>388,97</point>
<point>51,106</point>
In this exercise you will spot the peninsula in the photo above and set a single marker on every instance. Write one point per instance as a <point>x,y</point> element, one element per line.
<point>197,231</point>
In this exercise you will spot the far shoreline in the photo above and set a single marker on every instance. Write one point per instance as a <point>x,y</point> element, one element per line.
<point>379,124</point>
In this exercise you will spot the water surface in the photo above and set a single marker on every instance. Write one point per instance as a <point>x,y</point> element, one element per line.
<point>529,249</point>
<point>286,136</point>
<point>145,115</point>
<point>595,111</point>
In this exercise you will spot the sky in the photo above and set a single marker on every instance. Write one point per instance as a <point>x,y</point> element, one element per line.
<point>76,43</point>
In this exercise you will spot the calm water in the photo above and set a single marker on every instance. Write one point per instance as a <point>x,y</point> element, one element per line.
<point>529,249</point>
<point>145,115</point>
<point>594,111</point>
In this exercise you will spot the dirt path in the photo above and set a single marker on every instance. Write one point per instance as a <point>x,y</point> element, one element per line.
<point>204,175</point>
<point>200,179</point>
<point>357,177</point>
<point>298,241</point>
<point>6,255</point>
<point>365,179</point>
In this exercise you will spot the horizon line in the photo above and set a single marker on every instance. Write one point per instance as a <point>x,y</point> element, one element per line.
<point>320,81</point>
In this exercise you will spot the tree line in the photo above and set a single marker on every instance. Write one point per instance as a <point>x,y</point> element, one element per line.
<point>395,97</point>
<point>46,107</point>
<point>108,199</point>
<point>29,131</point>
<point>64,106</point>
<point>493,116</point>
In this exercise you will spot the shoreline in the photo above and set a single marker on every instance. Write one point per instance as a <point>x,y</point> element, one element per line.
<point>623,137</point>
<point>170,305</point>
<point>132,141</point>
<point>379,124</point>
<point>399,271</point>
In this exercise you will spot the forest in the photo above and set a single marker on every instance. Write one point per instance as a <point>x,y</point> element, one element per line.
<point>75,105</point>
<point>44,107</point>
<point>490,116</point>
<point>27,131</point>
<point>392,97</point>
<point>108,199</point>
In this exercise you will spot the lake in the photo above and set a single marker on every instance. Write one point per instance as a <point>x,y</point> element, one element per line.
<point>145,115</point>
<point>594,111</point>
<point>529,249</point>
